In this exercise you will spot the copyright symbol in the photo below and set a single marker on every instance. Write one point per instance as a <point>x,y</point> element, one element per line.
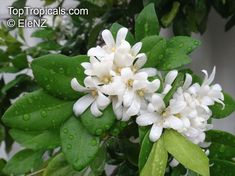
<point>11,23</point>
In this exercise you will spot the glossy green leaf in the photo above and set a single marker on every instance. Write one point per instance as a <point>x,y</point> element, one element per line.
<point>78,145</point>
<point>146,24</point>
<point>222,144</point>
<point>20,61</point>
<point>37,111</point>
<point>23,162</point>
<point>55,72</point>
<point>58,166</point>
<point>187,153</point>
<point>218,111</point>
<point>183,43</point>
<point>157,160</point>
<point>98,164</point>
<point>142,132</point>
<point>153,46</point>
<point>173,59</point>
<point>37,140</point>
<point>222,167</point>
<point>114,29</point>
<point>145,150</point>
<point>45,33</point>
<point>176,84</point>
<point>98,125</point>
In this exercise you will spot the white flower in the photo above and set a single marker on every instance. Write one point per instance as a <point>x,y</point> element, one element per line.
<point>95,97</point>
<point>169,79</point>
<point>110,45</point>
<point>160,117</point>
<point>102,69</point>
<point>206,93</point>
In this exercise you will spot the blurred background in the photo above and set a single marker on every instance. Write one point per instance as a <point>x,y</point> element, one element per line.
<point>217,48</point>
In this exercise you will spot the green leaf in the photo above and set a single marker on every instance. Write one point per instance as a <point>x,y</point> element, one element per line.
<point>20,61</point>
<point>145,150</point>
<point>49,45</point>
<point>173,59</point>
<point>157,160</point>
<point>176,84</point>
<point>142,132</point>
<point>187,153</point>
<point>146,23</point>
<point>183,43</point>
<point>98,164</point>
<point>114,29</point>
<point>78,145</point>
<point>150,46</point>
<point>98,125</point>
<point>37,111</point>
<point>9,70</point>
<point>217,109</point>
<point>221,167</point>
<point>59,166</point>
<point>169,17</point>
<point>45,33</point>
<point>36,140</point>
<point>23,162</point>
<point>55,72</point>
<point>222,144</point>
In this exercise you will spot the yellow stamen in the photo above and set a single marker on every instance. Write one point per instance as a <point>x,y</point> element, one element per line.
<point>118,70</point>
<point>140,92</point>
<point>94,93</point>
<point>178,115</point>
<point>106,79</point>
<point>130,82</point>
<point>113,49</point>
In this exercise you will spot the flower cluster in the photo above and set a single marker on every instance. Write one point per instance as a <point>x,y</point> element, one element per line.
<point>115,76</point>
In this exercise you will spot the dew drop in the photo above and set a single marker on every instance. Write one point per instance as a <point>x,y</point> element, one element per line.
<point>181,45</point>
<point>43,114</point>
<point>61,70</point>
<point>71,136</point>
<point>69,146</point>
<point>99,131</point>
<point>26,117</point>
<point>94,142</point>
<point>65,130</point>
<point>106,127</point>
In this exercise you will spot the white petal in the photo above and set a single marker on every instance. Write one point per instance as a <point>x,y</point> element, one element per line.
<point>121,35</point>
<point>158,102</point>
<point>155,133</point>
<point>175,123</point>
<point>108,38</point>
<point>86,65</point>
<point>117,111</point>
<point>125,116</point>
<point>188,81</point>
<point>94,109</point>
<point>153,86</point>
<point>134,109</point>
<point>211,77</point>
<point>82,104</point>
<point>136,48</point>
<point>147,119</point>
<point>89,82</point>
<point>140,61</point>
<point>170,77</point>
<point>150,71</point>
<point>176,106</point>
<point>76,86</point>
<point>128,97</point>
<point>102,100</point>
<point>97,51</point>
